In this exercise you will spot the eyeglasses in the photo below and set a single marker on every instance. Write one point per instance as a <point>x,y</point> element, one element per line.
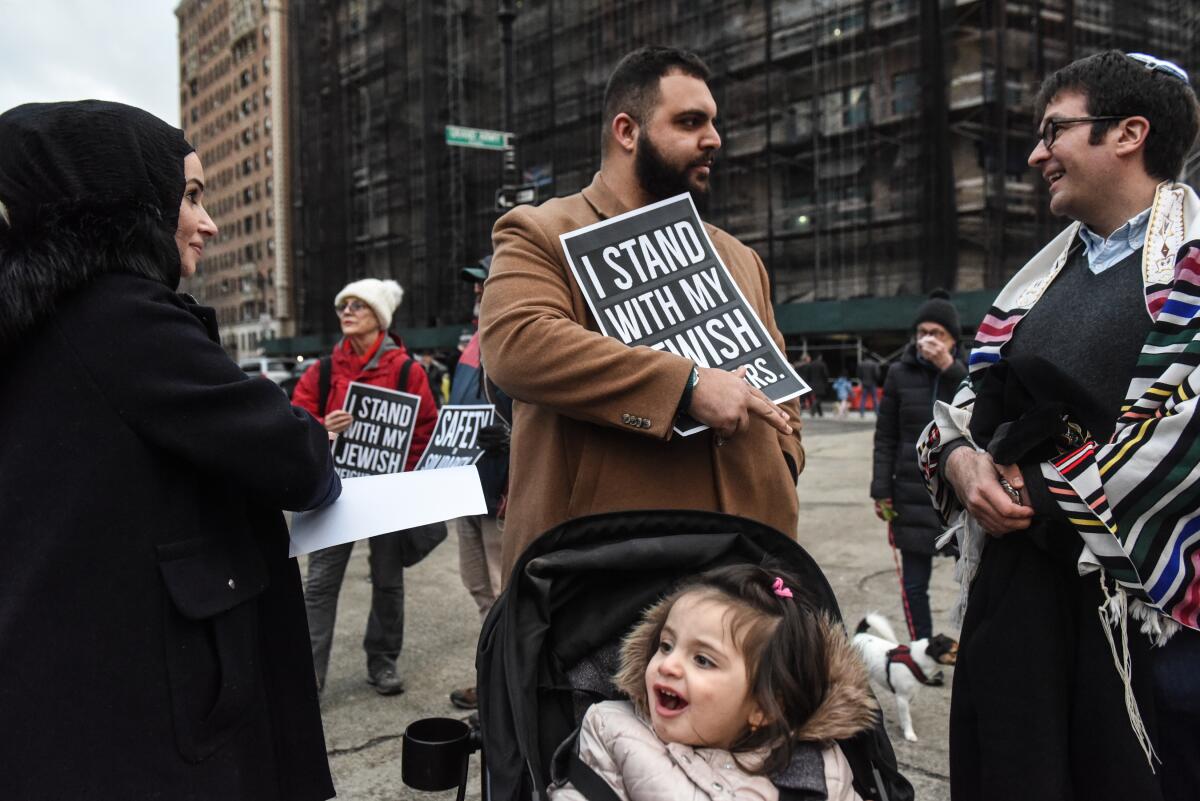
<point>1050,131</point>
<point>1159,65</point>
<point>352,306</point>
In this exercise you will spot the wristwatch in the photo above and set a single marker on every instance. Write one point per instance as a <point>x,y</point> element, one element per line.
<point>685,400</point>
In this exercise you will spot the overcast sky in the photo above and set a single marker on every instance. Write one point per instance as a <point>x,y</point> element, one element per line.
<point>125,50</point>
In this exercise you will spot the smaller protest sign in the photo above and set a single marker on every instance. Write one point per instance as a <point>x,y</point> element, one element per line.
<point>378,440</point>
<point>454,440</point>
<point>653,277</point>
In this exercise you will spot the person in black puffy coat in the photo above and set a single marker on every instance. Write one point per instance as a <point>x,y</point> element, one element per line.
<point>929,370</point>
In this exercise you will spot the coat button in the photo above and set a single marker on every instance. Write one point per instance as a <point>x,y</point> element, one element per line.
<point>625,418</point>
<point>232,584</point>
<point>645,422</point>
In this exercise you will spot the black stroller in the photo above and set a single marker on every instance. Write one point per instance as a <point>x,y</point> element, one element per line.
<point>550,644</point>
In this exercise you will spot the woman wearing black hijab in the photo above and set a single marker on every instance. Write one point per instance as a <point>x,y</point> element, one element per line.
<point>152,633</point>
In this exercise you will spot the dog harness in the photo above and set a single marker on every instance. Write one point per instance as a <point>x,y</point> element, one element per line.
<point>903,655</point>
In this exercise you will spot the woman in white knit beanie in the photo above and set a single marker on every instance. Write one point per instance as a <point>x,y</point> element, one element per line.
<point>382,296</point>
<point>367,354</point>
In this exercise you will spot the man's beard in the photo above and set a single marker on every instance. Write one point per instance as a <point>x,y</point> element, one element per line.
<point>660,179</point>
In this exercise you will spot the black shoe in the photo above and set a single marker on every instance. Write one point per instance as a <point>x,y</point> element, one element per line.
<point>386,681</point>
<point>466,698</point>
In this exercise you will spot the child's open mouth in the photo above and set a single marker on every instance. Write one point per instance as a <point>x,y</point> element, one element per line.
<point>668,701</point>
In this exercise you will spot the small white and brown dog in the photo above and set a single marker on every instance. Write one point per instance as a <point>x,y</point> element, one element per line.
<point>902,668</point>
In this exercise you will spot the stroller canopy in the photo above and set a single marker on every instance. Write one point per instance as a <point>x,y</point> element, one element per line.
<point>549,645</point>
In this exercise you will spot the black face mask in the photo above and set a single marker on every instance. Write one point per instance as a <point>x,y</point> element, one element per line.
<point>660,179</point>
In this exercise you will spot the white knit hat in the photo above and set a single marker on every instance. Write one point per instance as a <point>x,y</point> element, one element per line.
<point>382,296</point>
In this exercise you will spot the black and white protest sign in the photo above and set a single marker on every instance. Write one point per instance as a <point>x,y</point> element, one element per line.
<point>378,440</point>
<point>652,277</point>
<point>455,436</point>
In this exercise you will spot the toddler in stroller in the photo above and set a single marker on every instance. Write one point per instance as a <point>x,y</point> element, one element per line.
<point>551,647</point>
<point>732,678</point>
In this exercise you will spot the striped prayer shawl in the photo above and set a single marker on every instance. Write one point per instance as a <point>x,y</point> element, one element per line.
<point>1135,500</point>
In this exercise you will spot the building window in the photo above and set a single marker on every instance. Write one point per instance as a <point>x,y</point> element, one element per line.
<point>906,92</point>
<point>856,108</point>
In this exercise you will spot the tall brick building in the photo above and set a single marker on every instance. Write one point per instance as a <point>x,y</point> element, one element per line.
<point>233,110</point>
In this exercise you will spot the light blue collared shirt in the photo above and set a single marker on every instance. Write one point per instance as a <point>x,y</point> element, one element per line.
<point>1104,253</point>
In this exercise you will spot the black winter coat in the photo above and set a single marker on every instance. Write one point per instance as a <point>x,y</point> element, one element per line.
<point>153,642</point>
<point>909,392</point>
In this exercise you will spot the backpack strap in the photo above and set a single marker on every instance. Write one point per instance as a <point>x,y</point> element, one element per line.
<point>402,383</point>
<point>324,378</point>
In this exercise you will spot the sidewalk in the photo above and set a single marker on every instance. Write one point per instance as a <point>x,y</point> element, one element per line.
<point>837,525</point>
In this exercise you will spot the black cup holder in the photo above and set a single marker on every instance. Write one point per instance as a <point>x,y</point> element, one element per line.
<point>435,754</point>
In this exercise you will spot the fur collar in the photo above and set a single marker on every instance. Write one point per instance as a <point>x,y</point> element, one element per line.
<point>849,706</point>
<point>42,263</point>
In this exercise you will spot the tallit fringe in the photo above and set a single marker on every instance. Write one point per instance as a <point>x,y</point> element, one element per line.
<point>1114,614</point>
<point>1155,625</point>
<point>971,539</point>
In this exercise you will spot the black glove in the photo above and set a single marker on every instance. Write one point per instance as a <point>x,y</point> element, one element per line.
<point>494,439</point>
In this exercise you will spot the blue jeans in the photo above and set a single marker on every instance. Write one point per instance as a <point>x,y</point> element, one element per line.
<point>916,569</point>
<point>868,393</point>
<point>1177,698</point>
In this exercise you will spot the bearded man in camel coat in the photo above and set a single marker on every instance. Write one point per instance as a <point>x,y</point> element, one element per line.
<point>592,417</point>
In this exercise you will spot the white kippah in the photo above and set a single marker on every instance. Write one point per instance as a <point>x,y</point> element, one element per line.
<point>382,296</point>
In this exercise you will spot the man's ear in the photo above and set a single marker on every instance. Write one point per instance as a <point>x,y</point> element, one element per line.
<point>1131,134</point>
<point>624,130</point>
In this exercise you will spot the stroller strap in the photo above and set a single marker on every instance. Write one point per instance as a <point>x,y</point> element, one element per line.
<point>588,782</point>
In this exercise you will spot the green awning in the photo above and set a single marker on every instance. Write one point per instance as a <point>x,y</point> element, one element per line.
<point>856,316</point>
<point>870,315</point>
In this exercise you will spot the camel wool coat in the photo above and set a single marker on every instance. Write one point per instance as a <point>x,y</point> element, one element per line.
<point>592,417</point>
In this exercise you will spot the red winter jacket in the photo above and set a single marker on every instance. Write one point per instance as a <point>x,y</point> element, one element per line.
<point>379,367</point>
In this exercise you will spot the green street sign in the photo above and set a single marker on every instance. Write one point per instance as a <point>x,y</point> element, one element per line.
<point>458,136</point>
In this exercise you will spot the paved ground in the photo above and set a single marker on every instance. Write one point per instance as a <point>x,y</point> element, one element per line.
<point>363,730</point>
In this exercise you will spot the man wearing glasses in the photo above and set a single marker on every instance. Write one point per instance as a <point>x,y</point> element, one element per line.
<point>1072,451</point>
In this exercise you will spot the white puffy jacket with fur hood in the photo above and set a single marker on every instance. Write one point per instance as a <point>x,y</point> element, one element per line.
<point>623,749</point>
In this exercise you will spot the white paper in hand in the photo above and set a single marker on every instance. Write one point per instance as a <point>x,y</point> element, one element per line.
<point>373,505</point>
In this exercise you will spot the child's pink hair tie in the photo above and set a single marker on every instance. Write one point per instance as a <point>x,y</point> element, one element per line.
<point>780,589</point>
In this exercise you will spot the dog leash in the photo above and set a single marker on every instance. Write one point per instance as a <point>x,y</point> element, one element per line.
<point>912,631</point>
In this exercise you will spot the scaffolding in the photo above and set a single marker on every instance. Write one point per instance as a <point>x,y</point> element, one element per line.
<point>872,148</point>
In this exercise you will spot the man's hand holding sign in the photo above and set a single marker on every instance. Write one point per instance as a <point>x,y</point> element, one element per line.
<point>726,402</point>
